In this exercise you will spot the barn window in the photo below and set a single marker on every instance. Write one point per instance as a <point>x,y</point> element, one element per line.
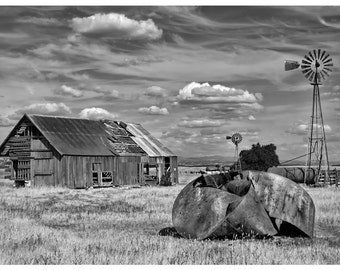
<point>95,179</point>
<point>100,177</point>
<point>106,177</point>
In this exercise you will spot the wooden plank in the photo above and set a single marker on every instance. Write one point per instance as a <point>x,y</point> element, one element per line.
<point>71,171</point>
<point>85,172</point>
<point>81,181</point>
<point>39,154</point>
<point>64,171</point>
<point>68,173</point>
<point>55,172</point>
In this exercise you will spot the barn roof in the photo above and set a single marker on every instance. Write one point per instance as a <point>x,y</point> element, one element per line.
<point>71,136</point>
<point>150,144</point>
<point>83,137</point>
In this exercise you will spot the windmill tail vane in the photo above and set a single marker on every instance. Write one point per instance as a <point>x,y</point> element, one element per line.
<point>291,64</point>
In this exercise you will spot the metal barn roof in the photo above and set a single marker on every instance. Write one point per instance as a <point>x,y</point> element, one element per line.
<point>150,144</point>
<point>73,136</point>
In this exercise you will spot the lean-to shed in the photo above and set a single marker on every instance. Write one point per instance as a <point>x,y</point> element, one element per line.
<point>79,153</point>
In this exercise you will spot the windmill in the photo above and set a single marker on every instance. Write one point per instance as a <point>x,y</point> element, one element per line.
<point>316,66</point>
<point>236,138</point>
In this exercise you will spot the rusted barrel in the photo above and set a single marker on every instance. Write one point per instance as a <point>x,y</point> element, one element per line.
<point>296,174</point>
<point>285,201</point>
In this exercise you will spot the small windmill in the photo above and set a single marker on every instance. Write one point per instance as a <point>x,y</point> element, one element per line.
<point>236,138</point>
<point>316,66</point>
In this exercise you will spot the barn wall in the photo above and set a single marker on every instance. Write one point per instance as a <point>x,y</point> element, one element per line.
<point>77,171</point>
<point>129,170</point>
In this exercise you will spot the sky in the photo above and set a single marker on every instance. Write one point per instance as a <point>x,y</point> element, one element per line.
<point>191,75</point>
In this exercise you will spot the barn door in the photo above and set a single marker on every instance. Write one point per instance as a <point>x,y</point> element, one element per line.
<point>43,172</point>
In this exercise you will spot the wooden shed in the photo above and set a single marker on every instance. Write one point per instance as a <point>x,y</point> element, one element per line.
<point>80,153</point>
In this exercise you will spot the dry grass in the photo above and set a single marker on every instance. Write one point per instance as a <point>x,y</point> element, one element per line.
<point>120,226</point>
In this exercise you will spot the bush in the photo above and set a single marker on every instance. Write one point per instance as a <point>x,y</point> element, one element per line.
<point>259,157</point>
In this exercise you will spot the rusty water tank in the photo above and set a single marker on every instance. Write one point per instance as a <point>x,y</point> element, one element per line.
<point>296,174</point>
<point>260,203</point>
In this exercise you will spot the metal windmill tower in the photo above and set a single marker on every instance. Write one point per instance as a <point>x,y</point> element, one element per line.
<point>236,138</point>
<point>316,66</point>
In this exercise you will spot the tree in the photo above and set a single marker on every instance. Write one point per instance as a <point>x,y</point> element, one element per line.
<point>259,157</point>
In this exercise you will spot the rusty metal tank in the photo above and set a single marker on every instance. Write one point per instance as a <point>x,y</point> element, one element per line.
<point>296,174</point>
<point>257,203</point>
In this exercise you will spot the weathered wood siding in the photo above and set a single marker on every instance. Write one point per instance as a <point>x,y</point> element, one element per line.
<point>77,171</point>
<point>129,170</point>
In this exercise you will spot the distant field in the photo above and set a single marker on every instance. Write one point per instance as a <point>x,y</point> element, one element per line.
<point>120,226</point>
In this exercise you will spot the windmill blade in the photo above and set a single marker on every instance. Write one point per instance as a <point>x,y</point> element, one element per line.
<point>312,76</point>
<point>315,55</point>
<point>327,61</point>
<point>322,55</point>
<point>312,57</point>
<point>328,65</point>
<point>324,73</point>
<point>309,59</point>
<point>328,69</point>
<point>307,73</point>
<point>319,53</point>
<point>305,62</point>
<point>323,76</point>
<point>305,66</point>
<point>325,57</point>
<point>307,70</point>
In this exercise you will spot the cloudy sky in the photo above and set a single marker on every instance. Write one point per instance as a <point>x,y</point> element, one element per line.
<point>190,75</point>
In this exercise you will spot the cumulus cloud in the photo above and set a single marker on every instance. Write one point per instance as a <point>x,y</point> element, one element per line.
<point>5,121</point>
<point>117,25</point>
<point>205,93</point>
<point>58,109</point>
<point>154,110</point>
<point>200,123</point>
<point>65,90</point>
<point>251,118</point>
<point>155,91</point>
<point>107,93</point>
<point>97,114</point>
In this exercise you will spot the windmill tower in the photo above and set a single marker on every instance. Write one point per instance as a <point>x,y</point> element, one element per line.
<point>316,66</point>
<point>236,138</point>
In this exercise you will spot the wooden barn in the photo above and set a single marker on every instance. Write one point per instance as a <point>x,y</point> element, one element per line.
<point>81,153</point>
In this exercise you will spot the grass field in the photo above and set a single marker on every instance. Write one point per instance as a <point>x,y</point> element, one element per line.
<point>120,226</point>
